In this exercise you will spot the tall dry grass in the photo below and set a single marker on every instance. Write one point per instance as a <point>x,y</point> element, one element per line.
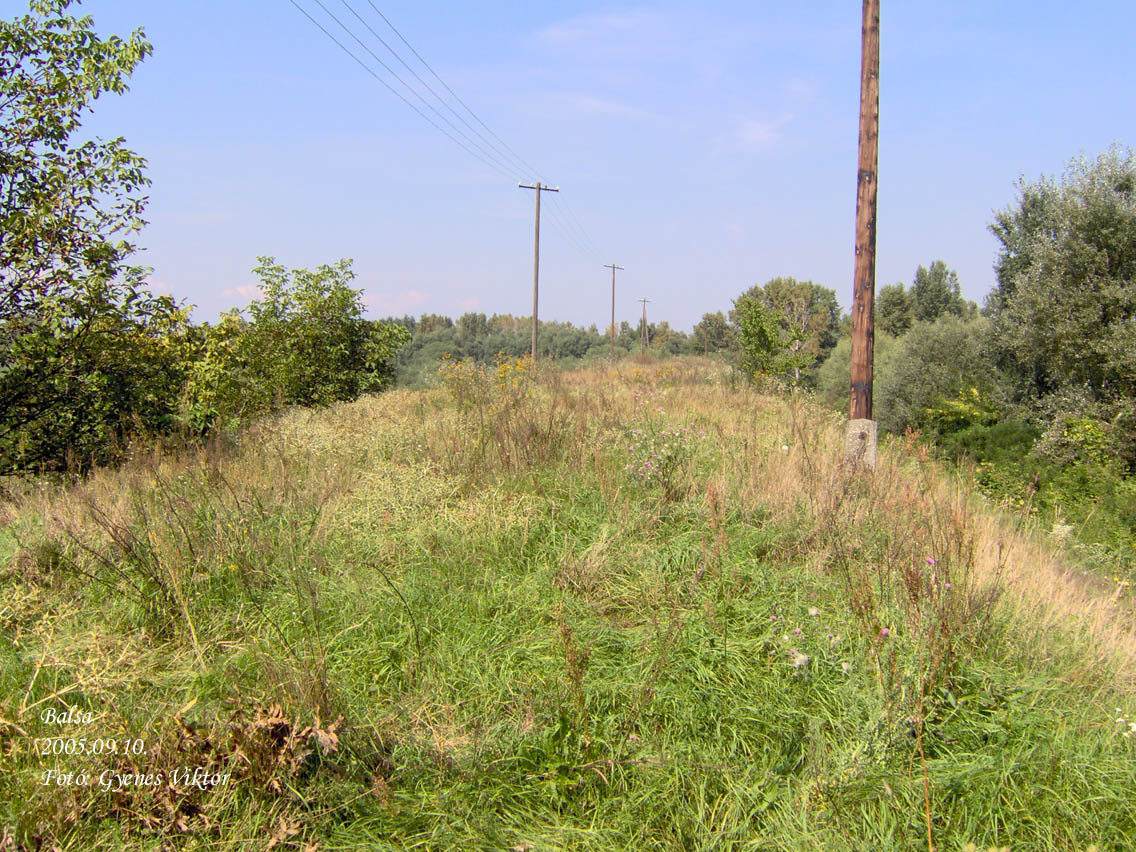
<point>781,460</point>
<point>452,571</point>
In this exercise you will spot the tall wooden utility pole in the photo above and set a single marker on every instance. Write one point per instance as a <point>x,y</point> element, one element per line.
<point>644,338</point>
<point>860,444</point>
<point>613,267</point>
<point>539,187</point>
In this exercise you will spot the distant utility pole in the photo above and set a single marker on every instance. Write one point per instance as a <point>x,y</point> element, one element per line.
<point>644,338</point>
<point>613,267</point>
<point>860,442</point>
<point>539,187</point>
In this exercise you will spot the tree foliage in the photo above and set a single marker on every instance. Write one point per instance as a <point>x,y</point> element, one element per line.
<point>834,376</point>
<point>918,376</point>
<point>1064,307</point>
<point>806,311</point>
<point>75,318</point>
<point>935,292</point>
<point>895,310</point>
<point>713,334</point>
<point>767,349</point>
<point>304,342</point>
<point>933,364</point>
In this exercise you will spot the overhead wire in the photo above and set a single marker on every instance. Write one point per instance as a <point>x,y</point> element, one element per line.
<point>578,235</point>
<point>583,236</point>
<point>467,108</point>
<point>502,164</point>
<point>572,240</point>
<point>498,155</point>
<point>472,152</point>
<point>501,150</point>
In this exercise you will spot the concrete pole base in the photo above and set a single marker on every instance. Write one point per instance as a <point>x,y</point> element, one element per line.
<point>860,444</point>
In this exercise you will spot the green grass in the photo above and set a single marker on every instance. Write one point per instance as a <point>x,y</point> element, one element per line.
<point>396,634</point>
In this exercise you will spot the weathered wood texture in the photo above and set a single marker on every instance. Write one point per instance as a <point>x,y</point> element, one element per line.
<point>864,292</point>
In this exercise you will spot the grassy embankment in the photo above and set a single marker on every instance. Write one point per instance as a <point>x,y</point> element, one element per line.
<point>597,610</point>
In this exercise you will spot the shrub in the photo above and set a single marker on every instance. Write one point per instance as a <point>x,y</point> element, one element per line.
<point>83,345</point>
<point>1006,441</point>
<point>659,456</point>
<point>934,361</point>
<point>305,342</point>
<point>767,348</point>
<point>84,401</point>
<point>834,377</point>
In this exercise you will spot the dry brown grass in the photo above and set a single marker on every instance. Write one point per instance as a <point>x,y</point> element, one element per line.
<point>774,460</point>
<point>361,502</point>
<point>784,456</point>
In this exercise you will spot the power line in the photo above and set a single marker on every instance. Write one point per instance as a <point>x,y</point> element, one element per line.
<point>476,117</point>
<point>580,228</point>
<point>500,157</point>
<point>488,143</point>
<point>397,93</point>
<point>572,221</point>
<point>560,224</point>
<point>488,153</point>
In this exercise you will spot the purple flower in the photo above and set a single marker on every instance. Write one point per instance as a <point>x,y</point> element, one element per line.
<point>797,630</point>
<point>930,561</point>
<point>885,632</point>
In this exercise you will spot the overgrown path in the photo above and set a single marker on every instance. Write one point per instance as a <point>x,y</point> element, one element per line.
<point>633,609</point>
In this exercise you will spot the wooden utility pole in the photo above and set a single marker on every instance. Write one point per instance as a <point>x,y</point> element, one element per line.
<point>539,187</point>
<point>861,438</point>
<point>644,338</point>
<point>613,267</point>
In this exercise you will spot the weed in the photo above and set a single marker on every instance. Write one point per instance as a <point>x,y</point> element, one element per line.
<point>450,620</point>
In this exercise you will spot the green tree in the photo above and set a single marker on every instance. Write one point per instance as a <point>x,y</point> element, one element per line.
<point>667,340</point>
<point>305,342</point>
<point>895,310</point>
<point>767,348</point>
<point>310,341</point>
<point>933,362</point>
<point>834,376</point>
<point>713,333</point>
<point>935,292</point>
<point>429,323</point>
<point>1064,306</point>
<point>915,374</point>
<point>808,313</point>
<point>71,307</point>
<point>472,326</point>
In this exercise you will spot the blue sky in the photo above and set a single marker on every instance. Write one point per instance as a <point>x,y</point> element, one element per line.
<point>705,147</point>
